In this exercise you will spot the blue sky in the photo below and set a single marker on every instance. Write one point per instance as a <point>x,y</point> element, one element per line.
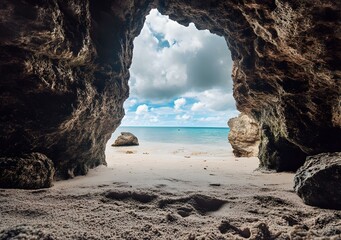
<point>180,76</point>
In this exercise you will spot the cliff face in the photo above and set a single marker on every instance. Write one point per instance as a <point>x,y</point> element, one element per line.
<point>64,73</point>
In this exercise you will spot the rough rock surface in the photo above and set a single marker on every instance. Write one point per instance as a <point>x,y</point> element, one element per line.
<point>29,171</point>
<point>317,182</point>
<point>64,73</point>
<point>286,72</point>
<point>126,139</point>
<point>244,136</point>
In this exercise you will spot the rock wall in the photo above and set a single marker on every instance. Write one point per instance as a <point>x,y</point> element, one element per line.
<point>244,136</point>
<point>64,78</point>
<point>64,72</point>
<point>286,70</point>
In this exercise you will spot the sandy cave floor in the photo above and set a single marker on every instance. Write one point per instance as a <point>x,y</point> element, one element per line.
<point>147,192</point>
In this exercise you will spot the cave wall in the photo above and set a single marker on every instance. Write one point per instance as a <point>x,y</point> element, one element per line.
<point>64,73</point>
<point>64,78</point>
<point>286,70</point>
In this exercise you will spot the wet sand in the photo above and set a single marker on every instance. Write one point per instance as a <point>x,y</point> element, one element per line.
<point>167,191</point>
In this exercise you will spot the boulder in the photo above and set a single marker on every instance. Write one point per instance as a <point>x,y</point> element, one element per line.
<point>318,181</point>
<point>30,171</point>
<point>126,139</point>
<point>244,136</point>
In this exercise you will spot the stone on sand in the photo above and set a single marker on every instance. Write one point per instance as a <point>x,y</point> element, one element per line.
<point>126,139</point>
<point>317,182</point>
<point>244,136</point>
<point>29,171</point>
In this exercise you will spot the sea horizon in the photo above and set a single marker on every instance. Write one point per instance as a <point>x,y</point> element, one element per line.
<point>172,126</point>
<point>177,134</point>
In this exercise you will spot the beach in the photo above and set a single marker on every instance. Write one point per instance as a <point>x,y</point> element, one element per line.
<point>167,191</point>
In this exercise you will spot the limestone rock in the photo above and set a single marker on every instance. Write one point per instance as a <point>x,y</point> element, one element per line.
<point>244,136</point>
<point>126,139</point>
<point>30,171</point>
<point>317,182</point>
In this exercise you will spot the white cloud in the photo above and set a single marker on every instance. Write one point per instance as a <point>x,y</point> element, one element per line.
<point>153,119</point>
<point>210,119</point>
<point>191,60</point>
<point>130,103</point>
<point>141,109</point>
<point>162,110</point>
<point>213,100</point>
<point>170,62</point>
<point>178,103</point>
<point>197,106</point>
<point>186,117</point>
<point>183,117</point>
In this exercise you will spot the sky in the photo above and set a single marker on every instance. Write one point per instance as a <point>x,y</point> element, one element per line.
<point>179,76</point>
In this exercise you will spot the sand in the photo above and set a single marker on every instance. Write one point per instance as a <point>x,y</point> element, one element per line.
<point>167,191</point>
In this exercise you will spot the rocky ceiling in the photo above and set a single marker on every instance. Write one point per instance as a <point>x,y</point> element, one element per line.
<point>64,68</point>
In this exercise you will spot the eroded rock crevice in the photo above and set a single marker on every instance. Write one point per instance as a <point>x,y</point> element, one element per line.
<point>65,69</point>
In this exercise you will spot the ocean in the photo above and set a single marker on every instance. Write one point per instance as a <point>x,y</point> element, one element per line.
<point>213,136</point>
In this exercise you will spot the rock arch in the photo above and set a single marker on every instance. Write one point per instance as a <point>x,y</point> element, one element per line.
<point>64,73</point>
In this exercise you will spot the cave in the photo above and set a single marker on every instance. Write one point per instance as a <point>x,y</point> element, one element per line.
<point>65,70</point>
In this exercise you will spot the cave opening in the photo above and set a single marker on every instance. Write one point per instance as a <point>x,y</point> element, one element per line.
<point>177,72</point>
<point>180,101</point>
<point>180,86</point>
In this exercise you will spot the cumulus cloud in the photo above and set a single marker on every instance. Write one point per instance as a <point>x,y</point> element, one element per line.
<point>154,119</point>
<point>197,106</point>
<point>170,59</point>
<point>130,103</point>
<point>209,119</point>
<point>178,103</point>
<point>213,99</point>
<point>179,76</point>
<point>183,117</point>
<point>141,109</point>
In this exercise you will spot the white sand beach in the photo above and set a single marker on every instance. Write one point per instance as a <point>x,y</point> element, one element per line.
<point>167,191</point>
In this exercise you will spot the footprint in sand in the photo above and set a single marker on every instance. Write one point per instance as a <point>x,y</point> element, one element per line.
<point>198,153</point>
<point>138,196</point>
<point>200,203</point>
<point>214,184</point>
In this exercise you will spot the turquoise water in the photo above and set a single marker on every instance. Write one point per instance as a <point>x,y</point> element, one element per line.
<point>185,135</point>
